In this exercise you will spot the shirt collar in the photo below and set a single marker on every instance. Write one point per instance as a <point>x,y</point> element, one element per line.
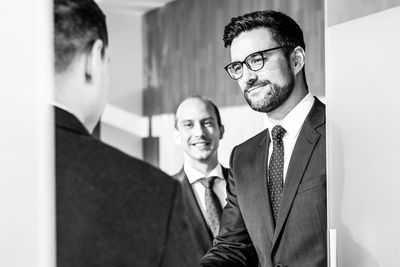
<point>65,108</point>
<point>194,175</point>
<point>60,106</point>
<point>294,119</point>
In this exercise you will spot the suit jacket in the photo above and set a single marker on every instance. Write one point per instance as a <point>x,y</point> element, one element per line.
<point>112,209</point>
<point>247,235</point>
<point>201,233</point>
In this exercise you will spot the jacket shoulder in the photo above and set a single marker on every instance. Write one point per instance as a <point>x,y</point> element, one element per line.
<point>253,141</point>
<point>91,159</point>
<point>179,176</point>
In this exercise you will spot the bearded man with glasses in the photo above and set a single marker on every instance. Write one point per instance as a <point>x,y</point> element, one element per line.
<point>276,194</point>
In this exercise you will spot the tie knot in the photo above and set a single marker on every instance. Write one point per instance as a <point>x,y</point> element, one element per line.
<point>208,182</point>
<point>277,133</point>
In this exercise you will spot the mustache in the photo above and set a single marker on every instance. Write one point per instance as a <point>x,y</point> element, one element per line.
<point>256,84</point>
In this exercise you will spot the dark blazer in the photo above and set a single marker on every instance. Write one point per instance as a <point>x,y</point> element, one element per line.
<point>112,209</point>
<point>200,231</point>
<point>247,232</point>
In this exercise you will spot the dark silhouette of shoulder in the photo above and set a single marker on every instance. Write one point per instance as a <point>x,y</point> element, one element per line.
<point>113,209</point>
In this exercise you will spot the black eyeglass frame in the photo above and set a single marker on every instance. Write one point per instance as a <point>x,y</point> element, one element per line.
<point>262,52</point>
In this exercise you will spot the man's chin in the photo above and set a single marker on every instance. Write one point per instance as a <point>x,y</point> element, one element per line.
<point>266,103</point>
<point>204,156</point>
<point>258,104</point>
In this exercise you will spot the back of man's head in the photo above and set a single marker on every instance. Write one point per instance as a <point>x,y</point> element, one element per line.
<point>80,59</point>
<point>77,25</point>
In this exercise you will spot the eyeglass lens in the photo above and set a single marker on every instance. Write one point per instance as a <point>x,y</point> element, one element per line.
<point>254,62</point>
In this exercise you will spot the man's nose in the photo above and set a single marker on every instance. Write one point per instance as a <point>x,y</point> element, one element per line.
<point>198,129</point>
<point>249,76</point>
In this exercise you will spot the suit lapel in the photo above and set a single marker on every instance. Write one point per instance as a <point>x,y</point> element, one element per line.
<point>68,121</point>
<point>305,144</point>
<point>260,186</point>
<point>225,173</point>
<point>194,213</point>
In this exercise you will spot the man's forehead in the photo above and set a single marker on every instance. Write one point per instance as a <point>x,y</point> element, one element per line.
<point>249,42</point>
<point>194,109</point>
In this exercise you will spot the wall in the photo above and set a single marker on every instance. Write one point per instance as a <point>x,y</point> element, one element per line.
<point>123,140</point>
<point>362,111</point>
<point>27,233</point>
<point>124,104</point>
<point>340,11</point>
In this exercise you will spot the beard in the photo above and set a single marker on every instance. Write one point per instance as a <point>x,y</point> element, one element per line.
<point>271,100</point>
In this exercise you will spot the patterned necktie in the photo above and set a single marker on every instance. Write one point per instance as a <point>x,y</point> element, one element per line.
<point>213,207</point>
<point>275,170</point>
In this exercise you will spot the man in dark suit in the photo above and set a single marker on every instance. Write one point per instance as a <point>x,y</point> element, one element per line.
<point>112,209</point>
<point>198,130</point>
<point>276,205</point>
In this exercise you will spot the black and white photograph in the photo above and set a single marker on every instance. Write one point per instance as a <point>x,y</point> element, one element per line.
<point>209,133</point>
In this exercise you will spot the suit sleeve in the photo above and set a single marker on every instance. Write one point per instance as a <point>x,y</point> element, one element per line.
<point>178,248</point>
<point>232,246</point>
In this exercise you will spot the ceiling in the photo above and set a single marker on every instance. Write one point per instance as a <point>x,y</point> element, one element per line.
<point>132,6</point>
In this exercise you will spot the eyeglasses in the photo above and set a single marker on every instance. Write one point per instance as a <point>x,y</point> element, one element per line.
<point>253,61</point>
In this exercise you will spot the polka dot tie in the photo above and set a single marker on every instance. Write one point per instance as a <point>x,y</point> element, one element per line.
<point>275,170</point>
<point>213,207</point>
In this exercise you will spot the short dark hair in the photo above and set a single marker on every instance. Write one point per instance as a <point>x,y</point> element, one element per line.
<point>285,31</point>
<point>205,100</point>
<point>77,25</point>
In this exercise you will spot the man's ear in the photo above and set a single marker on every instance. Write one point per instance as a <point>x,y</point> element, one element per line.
<point>177,137</point>
<point>93,61</point>
<point>297,58</point>
<point>221,132</point>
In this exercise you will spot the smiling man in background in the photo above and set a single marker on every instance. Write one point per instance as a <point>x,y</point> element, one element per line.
<point>198,130</point>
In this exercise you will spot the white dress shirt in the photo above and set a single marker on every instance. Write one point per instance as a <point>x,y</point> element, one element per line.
<point>292,124</point>
<point>199,190</point>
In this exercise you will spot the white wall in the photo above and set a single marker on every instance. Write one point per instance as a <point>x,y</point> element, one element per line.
<point>363,138</point>
<point>126,59</point>
<point>27,236</point>
<point>126,82</point>
<point>122,139</point>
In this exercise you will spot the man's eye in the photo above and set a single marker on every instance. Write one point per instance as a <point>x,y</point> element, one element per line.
<point>187,124</point>
<point>257,59</point>
<point>237,67</point>
<point>208,123</point>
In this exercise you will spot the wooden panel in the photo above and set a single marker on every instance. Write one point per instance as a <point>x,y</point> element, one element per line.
<point>184,53</point>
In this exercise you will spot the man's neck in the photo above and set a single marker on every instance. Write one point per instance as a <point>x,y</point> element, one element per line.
<point>203,167</point>
<point>68,95</point>
<point>280,112</point>
<point>89,127</point>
